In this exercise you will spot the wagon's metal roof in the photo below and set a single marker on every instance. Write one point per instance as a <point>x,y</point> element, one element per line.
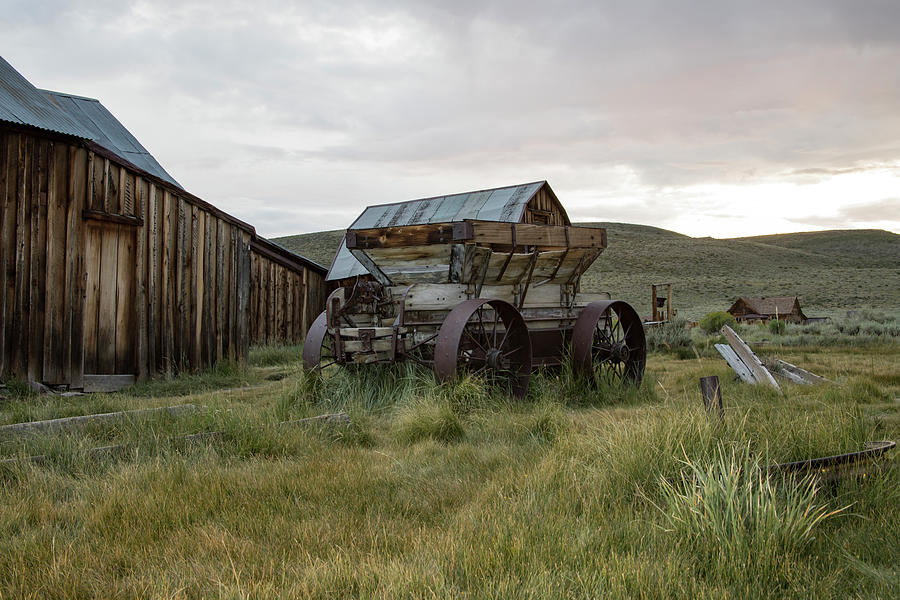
<point>504,204</point>
<point>24,104</point>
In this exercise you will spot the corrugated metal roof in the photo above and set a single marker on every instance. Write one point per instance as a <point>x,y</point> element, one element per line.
<point>104,129</point>
<point>23,104</point>
<point>505,204</point>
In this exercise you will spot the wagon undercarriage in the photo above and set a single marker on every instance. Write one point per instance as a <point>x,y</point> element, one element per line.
<point>494,299</point>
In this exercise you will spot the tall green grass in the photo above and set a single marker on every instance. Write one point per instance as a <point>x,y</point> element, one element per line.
<point>457,491</point>
<point>740,524</point>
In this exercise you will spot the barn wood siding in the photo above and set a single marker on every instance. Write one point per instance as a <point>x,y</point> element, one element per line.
<point>106,271</point>
<point>285,298</point>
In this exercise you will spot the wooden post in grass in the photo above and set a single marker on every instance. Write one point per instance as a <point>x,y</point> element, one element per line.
<point>712,395</point>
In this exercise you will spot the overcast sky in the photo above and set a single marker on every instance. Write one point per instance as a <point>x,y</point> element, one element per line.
<point>709,118</point>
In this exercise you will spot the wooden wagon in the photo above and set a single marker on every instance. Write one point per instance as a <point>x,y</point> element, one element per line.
<point>491,298</point>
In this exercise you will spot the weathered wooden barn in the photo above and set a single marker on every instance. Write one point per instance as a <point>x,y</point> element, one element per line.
<point>785,308</point>
<point>109,270</point>
<point>525,203</point>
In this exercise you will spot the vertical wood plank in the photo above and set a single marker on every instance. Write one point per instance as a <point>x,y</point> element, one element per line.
<point>54,300</point>
<point>263,312</point>
<point>23,239</point>
<point>233,253</point>
<point>126,310</point>
<point>106,336</point>
<point>199,286</point>
<point>7,246</point>
<point>210,302</point>
<point>167,283</point>
<point>221,299</point>
<point>104,183</point>
<point>289,305</point>
<point>304,326</point>
<point>153,265</point>
<point>76,274</point>
<point>243,316</point>
<point>38,250</point>
<point>92,261</point>
<point>140,208</point>
<point>180,251</point>
<point>254,298</point>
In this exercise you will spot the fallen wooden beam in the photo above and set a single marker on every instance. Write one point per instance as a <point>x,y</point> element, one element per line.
<point>54,425</point>
<point>120,449</point>
<point>747,356</point>
<point>735,363</point>
<point>795,373</point>
<point>340,418</point>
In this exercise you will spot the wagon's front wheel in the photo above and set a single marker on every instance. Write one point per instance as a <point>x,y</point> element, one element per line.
<point>318,347</point>
<point>608,343</point>
<point>487,338</point>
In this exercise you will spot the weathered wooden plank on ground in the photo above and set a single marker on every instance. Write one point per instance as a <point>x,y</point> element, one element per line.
<point>795,373</point>
<point>107,383</point>
<point>760,373</point>
<point>54,425</point>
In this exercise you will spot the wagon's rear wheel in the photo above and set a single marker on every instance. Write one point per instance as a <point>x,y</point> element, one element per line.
<point>488,338</point>
<point>318,347</point>
<point>608,343</point>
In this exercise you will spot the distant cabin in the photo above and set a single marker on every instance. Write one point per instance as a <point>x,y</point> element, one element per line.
<point>785,308</point>
<point>525,203</point>
<point>110,271</point>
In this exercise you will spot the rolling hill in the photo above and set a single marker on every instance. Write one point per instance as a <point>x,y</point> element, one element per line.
<point>831,271</point>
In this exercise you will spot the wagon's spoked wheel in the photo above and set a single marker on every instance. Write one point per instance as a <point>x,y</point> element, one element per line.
<point>608,343</point>
<point>488,338</point>
<point>318,347</point>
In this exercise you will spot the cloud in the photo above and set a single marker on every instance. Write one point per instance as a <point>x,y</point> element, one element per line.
<point>626,105</point>
<point>877,213</point>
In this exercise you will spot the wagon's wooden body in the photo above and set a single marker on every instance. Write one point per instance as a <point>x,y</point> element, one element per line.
<point>484,296</point>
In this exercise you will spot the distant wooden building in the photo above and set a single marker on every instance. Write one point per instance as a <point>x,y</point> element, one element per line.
<point>109,270</point>
<point>785,308</point>
<point>526,203</point>
<point>287,293</point>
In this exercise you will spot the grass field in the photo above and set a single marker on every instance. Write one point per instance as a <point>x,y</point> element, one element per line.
<point>440,492</point>
<point>831,271</point>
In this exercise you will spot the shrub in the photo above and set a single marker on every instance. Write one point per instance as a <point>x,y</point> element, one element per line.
<point>714,321</point>
<point>777,326</point>
<point>426,419</point>
<point>669,336</point>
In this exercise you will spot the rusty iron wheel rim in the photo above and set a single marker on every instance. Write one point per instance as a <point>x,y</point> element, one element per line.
<point>318,347</point>
<point>471,340</point>
<point>608,343</point>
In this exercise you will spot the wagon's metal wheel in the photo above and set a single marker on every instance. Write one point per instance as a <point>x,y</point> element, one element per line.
<point>318,347</point>
<point>608,343</point>
<point>485,337</point>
